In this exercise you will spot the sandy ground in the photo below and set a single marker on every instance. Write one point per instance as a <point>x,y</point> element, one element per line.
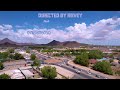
<point>53,61</point>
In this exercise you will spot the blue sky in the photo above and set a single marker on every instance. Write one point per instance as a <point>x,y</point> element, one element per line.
<point>31,17</point>
<point>94,27</point>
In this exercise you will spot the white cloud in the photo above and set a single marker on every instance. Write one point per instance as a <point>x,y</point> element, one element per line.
<point>77,27</point>
<point>99,30</point>
<point>6,30</point>
<point>79,31</point>
<point>5,27</point>
<point>106,29</point>
<point>8,26</point>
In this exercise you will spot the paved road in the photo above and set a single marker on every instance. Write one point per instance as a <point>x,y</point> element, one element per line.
<point>84,71</point>
<point>78,76</point>
<point>44,57</point>
<point>82,75</point>
<point>94,75</point>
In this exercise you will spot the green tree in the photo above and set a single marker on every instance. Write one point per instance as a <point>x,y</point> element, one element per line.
<point>82,59</point>
<point>1,66</point>
<point>33,56</point>
<point>82,50</point>
<point>110,55</point>
<point>27,51</point>
<point>18,56</point>
<point>4,55</point>
<point>61,53</point>
<point>56,54</point>
<point>95,54</point>
<point>11,56</point>
<point>103,67</point>
<point>4,76</point>
<point>111,60</point>
<point>36,63</point>
<point>11,50</point>
<point>49,72</point>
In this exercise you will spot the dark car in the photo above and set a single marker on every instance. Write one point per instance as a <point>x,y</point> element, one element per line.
<point>97,76</point>
<point>73,66</point>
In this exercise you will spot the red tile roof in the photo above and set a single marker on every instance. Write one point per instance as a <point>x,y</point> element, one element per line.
<point>92,61</point>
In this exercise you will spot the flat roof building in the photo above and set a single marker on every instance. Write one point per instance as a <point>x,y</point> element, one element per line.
<point>27,73</point>
<point>14,74</point>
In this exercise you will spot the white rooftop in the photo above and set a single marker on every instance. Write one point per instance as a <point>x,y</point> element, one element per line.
<point>22,68</point>
<point>14,74</point>
<point>17,74</point>
<point>27,73</point>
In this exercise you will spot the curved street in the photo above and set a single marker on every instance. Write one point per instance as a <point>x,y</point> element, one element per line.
<point>79,73</point>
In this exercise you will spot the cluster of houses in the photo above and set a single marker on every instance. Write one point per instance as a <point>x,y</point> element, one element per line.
<point>22,73</point>
<point>115,62</point>
<point>106,50</point>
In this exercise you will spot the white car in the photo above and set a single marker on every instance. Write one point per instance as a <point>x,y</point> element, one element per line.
<point>64,63</point>
<point>105,78</point>
<point>59,64</point>
<point>77,71</point>
<point>89,72</point>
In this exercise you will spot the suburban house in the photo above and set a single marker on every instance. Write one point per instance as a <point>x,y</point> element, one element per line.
<point>92,61</point>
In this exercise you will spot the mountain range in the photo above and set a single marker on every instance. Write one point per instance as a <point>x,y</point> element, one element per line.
<point>66,44</point>
<point>8,42</point>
